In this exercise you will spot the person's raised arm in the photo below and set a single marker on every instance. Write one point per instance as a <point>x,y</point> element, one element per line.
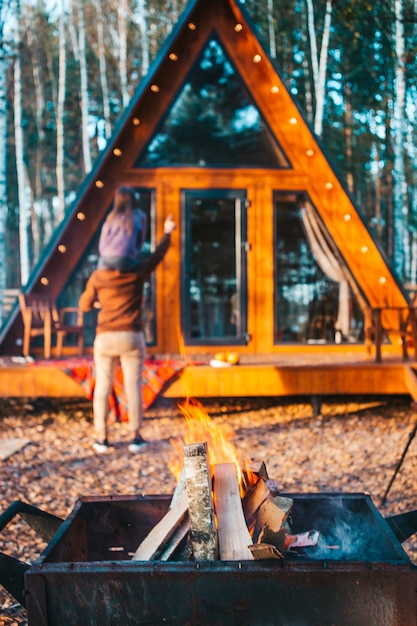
<point>169,225</point>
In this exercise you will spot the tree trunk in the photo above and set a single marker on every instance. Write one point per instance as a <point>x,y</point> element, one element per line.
<point>122,27</point>
<point>321,85</point>
<point>3,159</point>
<point>20,168</point>
<point>319,67</point>
<point>83,88</point>
<point>271,30</point>
<point>60,117</point>
<point>401,242</point>
<point>39,102</point>
<point>103,69</point>
<point>307,79</point>
<point>313,41</point>
<point>144,37</point>
<point>378,214</point>
<point>348,136</point>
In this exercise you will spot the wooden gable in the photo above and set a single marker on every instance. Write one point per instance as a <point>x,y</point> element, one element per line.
<point>309,170</point>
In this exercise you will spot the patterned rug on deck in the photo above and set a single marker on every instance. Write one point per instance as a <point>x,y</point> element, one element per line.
<point>156,374</point>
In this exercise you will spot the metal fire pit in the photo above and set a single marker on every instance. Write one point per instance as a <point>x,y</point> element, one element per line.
<point>357,574</point>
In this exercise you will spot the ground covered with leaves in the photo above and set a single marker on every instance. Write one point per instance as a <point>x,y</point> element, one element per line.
<point>352,446</point>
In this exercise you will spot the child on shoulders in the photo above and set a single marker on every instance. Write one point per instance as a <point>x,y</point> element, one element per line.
<point>123,233</point>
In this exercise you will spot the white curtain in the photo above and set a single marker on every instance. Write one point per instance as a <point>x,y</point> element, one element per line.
<point>329,264</point>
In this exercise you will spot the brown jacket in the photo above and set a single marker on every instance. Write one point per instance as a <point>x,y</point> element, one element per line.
<point>120,294</point>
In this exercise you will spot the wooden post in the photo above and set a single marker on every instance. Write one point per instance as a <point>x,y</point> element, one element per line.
<point>234,537</point>
<point>203,533</point>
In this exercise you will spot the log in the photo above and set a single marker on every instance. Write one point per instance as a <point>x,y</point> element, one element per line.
<point>176,540</point>
<point>258,468</point>
<point>252,500</point>
<point>302,540</point>
<point>160,534</point>
<point>179,488</point>
<point>252,471</point>
<point>262,551</point>
<point>271,517</point>
<point>233,534</point>
<point>203,534</point>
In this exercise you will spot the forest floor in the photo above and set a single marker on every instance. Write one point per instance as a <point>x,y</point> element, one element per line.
<point>353,446</point>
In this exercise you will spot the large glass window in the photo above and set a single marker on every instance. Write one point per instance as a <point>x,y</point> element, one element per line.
<point>78,280</point>
<point>307,301</point>
<point>214,269</point>
<point>213,122</point>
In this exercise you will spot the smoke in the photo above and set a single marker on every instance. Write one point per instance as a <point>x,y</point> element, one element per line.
<point>348,529</point>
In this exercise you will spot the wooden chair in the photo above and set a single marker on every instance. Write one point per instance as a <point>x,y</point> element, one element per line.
<point>381,322</point>
<point>41,317</point>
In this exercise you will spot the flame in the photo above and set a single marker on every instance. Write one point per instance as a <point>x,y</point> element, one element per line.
<point>199,427</point>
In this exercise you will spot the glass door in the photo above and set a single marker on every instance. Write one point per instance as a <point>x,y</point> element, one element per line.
<point>214,307</point>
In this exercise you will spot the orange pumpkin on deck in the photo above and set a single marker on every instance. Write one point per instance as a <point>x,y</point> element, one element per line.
<point>232,358</point>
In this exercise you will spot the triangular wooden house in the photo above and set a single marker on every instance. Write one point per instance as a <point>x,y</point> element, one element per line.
<point>270,251</point>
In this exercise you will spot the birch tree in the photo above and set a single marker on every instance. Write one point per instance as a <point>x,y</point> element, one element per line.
<point>4,60</point>
<point>79,47</point>
<point>23,197</point>
<point>101,53</point>
<point>319,64</point>
<point>141,20</point>
<point>37,204</point>
<point>122,12</point>
<point>271,30</point>
<point>401,256</point>
<point>60,116</point>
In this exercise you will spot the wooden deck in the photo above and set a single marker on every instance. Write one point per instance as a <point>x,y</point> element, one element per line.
<point>315,373</point>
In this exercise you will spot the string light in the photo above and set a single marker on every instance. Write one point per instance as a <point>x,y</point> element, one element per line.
<point>154,88</point>
<point>44,281</point>
<point>364,249</point>
<point>238,27</point>
<point>191,26</point>
<point>117,152</point>
<point>274,89</point>
<point>328,185</point>
<point>257,58</point>
<point>62,248</point>
<point>99,184</point>
<point>293,121</point>
<point>81,216</point>
<point>347,217</point>
<point>310,152</point>
<point>173,56</point>
<point>382,280</point>
<point>135,121</point>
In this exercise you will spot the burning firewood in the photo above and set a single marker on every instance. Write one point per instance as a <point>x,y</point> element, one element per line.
<point>252,500</point>
<point>269,529</point>
<point>203,532</point>
<point>252,472</point>
<point>272,514</point>
<point>233,534</point>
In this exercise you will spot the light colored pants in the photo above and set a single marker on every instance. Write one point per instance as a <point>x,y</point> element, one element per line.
<point>109,348</point>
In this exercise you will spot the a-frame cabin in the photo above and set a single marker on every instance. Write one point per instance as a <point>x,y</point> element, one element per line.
<point>270,255</point>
